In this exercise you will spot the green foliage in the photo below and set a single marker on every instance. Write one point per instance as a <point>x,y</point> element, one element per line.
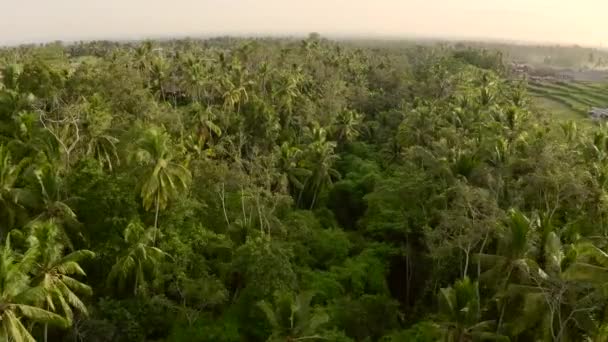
<point>284,190</point>
<point>205,330</point>
<point>265,266</point>
<point>138,259</point>
<point>20,297</point>
<point>424,331</point>
<point>161,178</point>
<point>294,318</point>
<point>369,316</point>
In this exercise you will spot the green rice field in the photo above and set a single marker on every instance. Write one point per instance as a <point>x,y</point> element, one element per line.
<point>569,100</point>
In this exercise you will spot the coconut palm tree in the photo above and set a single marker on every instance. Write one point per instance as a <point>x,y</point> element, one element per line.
<point>205,120</point>
<point>17,297</point>
<point>10,76</point>
<point>514,254</point>
<point>288,160</point>
<point>205,129</point>
<point>346,126</point>
<point>11,195</point>
<point>559,297</point>
<point>142,55</point>
<point>102,147</point>
<point>99,142</point>
<point>509,270</point>
<point>234,95</point>
<point>159,72</point>
<point>161,178</point>
<point>292,318</point>
<point>194,78</point>
<point>487,89</point>
<point>320,160</point>
<point>53,205</point>
<point>460,311</point>
<point>138,259</point>
<point>287,91</point>
<point>264,71</point>
<point>53,271</point>
<point>285,94</point>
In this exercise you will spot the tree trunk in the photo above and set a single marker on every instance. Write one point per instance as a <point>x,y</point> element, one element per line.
<point>314,196</point>
<point>156,217</point>
<point>46,327</point>
<point>136,284</point>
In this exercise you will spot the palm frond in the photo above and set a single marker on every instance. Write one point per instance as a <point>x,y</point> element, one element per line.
<point>269,313</point>
<point>41,315</point>
<point>76,285</point>
<point>14,329</point>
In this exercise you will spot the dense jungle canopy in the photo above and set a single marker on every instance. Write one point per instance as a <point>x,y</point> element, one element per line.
<point>234,190</point>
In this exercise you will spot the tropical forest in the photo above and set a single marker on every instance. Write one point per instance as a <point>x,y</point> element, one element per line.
<point>294,189</point>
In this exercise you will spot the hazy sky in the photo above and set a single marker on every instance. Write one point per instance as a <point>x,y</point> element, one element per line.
<point>581,21</point>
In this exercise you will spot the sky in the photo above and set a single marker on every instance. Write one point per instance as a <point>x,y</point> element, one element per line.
<point>548,21</point>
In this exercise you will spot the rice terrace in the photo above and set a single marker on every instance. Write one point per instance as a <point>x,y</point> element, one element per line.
<point>569,95</point>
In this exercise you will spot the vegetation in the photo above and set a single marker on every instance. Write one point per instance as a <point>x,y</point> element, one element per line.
<point>282,190</point>
<point>551,56</point>
<point>575,99</point>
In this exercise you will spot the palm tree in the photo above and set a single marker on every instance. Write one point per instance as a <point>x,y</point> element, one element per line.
<point>320,160</point>
<point>591,264</point>
<point>161,178</point>
<point>138,258</point>
<point>292,319</point>
<point>558,298</point>
<point>159,70</point>
<point>142,55</point>
<point>205,122</point>
<point>287,91</point>
<point>288,164</point>
<point>514,255</point>
<point>53,271</point>
<point>233,95</point>
<point>263,72</point>
<point>206,130</point>
<point>99,142</point>
<point>12,101</point>
<point>487,91</point>
<point>286,94</point>
<point>53,205</point>
<point>17,297</point>
<point>10,76</point>
<point>194,78</point>
<point>346,126</point>
<point>11,194</point>
<point>459,308</point>
<point>511,265</point>
<point>102,147</point>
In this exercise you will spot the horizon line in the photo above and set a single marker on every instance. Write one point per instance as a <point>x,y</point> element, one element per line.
<point>338,36</point>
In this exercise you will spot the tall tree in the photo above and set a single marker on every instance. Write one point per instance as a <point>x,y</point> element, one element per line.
<point>288,163</point>
<point>319,161</point>
<point>53,203</point>
<point>12,195</point>
<point>138,259</point>
<point>161,179</point>
<point>18,298</point>
<point>54,272</point>
<point>346,126</point>
<point>461,314</point>
<point>293,319</point>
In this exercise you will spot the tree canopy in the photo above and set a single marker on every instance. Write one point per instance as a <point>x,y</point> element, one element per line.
<point>293,190</point>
